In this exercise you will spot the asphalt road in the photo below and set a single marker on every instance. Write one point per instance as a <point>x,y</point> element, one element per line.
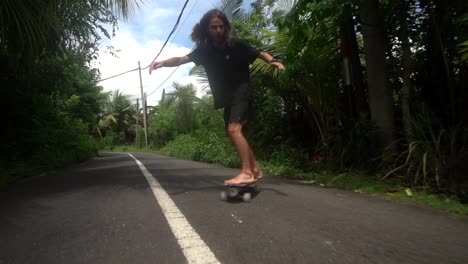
<point>106,211</point>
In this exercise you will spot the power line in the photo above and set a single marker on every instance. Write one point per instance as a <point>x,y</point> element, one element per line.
<point>165,43</point>
<point>164,81</point>
<point>170,34</point>
<point>118,75</point>
<point>183,23</point>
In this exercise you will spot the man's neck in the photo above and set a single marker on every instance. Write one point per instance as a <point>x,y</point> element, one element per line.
<point>219,45</point>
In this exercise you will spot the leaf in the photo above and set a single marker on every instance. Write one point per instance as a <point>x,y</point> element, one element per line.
<point>409,192</point>
<point>392,171</point>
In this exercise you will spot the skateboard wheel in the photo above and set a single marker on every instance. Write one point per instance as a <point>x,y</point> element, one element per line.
<point>223,195</point>
<point>233,192</point>
<point>247,197</point>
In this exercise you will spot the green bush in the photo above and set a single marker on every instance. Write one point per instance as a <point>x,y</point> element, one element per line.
<point>110,140</point>
<point>216,147</point>
<point>434,157</point>
<point>203,145</point>
<point>351,147</point>
<point>65,145</point>
<point>183,146</point>
<point>289,156</point>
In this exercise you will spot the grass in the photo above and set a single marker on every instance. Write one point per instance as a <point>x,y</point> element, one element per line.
<point>432,200</point>
<point>11,172</point>
<point>126,148</point>
<point>362,183</point>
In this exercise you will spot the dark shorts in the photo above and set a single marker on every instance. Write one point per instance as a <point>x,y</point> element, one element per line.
<point>236,113</point>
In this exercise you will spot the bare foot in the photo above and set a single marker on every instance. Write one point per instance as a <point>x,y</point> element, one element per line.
<point>242,178</point>
<point>258,174</point>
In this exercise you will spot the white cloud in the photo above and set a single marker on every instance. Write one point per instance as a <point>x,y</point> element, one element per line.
<point>141,40</point>
<point>130,53</point>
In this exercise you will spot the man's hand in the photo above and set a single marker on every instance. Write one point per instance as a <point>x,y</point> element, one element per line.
<point>155,65</point>
<point>278,65</point>
<point>271,60</point>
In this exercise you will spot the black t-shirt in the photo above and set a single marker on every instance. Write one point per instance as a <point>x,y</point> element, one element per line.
<point>227,70</point>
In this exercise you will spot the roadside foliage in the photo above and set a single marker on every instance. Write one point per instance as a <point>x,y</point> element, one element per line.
<point>372,86</point>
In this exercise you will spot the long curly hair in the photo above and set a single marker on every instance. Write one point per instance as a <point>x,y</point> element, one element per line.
<point>200,30</point>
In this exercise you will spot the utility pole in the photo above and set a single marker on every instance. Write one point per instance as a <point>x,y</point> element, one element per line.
<point>137,130</point>
<point>146,117</point>
<point>143,101</point>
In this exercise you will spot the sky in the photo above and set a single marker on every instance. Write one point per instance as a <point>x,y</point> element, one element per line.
<point>141,37</point>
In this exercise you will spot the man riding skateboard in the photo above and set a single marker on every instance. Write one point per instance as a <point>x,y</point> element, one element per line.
<point>226,61</point>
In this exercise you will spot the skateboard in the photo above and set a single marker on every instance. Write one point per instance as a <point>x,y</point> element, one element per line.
<point>244,192</point>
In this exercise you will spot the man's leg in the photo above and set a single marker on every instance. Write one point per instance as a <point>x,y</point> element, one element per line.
<point>258,174</point>
<point>245,153</point>
<point>235,116</point>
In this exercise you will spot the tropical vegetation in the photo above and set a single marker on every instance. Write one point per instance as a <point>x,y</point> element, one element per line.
<point>374,87</point>
<point>51,96</point>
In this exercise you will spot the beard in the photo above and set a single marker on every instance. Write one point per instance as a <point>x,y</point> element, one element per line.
<point>218,39</point>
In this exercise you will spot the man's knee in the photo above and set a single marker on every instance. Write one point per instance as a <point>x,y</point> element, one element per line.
<point>234,129</point>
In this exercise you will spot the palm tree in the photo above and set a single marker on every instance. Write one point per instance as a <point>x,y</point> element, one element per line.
<point>183,99</point>
<point>119,114</point>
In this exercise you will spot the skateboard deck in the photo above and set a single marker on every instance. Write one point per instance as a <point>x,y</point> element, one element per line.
<point>244,192</point>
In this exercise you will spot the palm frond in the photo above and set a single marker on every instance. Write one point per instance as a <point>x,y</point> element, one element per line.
<point>200,73</point>
<point>259,67</point>
<point>463,50</point>
<point>107,121</point>
<point>197,70</point>
<point>23,24</point>
<point>26,25</point>
<point>284,6</point>
<point>233,10</point>
<point>125,8</point>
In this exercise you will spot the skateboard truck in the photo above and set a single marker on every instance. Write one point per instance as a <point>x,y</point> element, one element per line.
<point>235,191</point>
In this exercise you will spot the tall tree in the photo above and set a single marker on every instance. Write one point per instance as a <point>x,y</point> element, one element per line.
<point>41,44</point>
<point>353,81</point>
<point>380,94</point>
<point>407,68</point>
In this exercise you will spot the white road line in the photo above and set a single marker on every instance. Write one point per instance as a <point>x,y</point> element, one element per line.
<point>192,245</point>
<point>236,218</point>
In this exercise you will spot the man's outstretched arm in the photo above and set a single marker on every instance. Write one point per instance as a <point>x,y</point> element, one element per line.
<point>270,60</point>
<point>172,62</point>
